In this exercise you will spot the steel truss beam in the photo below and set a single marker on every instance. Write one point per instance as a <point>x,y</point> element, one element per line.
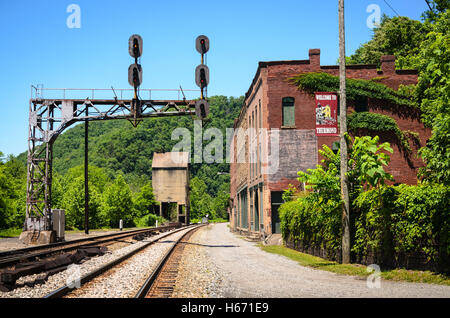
<point>49,117</point>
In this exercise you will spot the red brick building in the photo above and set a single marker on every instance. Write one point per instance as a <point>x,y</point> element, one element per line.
<point>276,105</point>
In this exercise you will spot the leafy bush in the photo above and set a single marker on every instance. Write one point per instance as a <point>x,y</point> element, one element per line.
<point>312,222</point>
<point>421,222</point>
<point>149,220</point>
<point>404,221</point>
<point>372,214</point>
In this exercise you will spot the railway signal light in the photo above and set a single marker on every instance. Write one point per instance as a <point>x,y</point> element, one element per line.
<point>135,46</point>
<point>202,76</point>
<point>202,44</point>
<point>135,75</point>
<point>201,109</point>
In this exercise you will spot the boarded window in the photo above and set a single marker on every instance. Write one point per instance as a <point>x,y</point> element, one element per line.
<point>260,115</point>
<point>361,104</point>
<point>288,112</point>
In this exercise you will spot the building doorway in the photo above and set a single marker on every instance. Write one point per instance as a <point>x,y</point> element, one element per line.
<point>256,209</point>
<point>276,199</point>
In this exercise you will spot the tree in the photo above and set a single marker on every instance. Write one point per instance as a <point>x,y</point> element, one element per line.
<point>221,201</point>
<point>118,203</point>
<point>12,192</point>
<point>68,194</point>
<point>7,194</point>
<point>399,36</point>
<point>436,7</point>
<point>73,203</point>
<point>433,95</point>
<point>145,200</point>
<point>200,199</point>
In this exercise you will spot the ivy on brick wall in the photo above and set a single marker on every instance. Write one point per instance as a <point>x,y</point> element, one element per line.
<point>377,122</point>
<point>355,88</point>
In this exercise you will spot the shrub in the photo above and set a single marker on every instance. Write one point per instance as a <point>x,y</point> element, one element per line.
<point>399,223</point>
<point>312,222</point>
<point>149,220</point>
<point>421,222</point>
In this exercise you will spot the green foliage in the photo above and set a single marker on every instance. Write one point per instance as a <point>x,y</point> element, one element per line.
<point>7,194</point>
<point>315,220</point>
<point>145,200</point>
<point>372,210</point>
<point>312,221</point>
<point>377,122</point>
<point>73,203</point>
<point>399,36</point>
<point>201,201</point>
<point>422,221</point>
<point>118,203</point>
<point>404,220</point>
<point>68,194</point>
<point>390,222</point>
<point>356,88</point>
<point>220,203</point>
<point>367,159</point>
<point>425,47</point>
<point>149,220</point>
<point>288,194</point>
<point>436,8</point>
<point>433,94</point>
<point>12,192</point>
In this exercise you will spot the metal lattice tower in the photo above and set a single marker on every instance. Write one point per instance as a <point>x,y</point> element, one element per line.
<point>49,117</point>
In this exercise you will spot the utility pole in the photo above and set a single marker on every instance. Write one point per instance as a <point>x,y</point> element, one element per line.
<point>86,168</point>
<point>343,143</point>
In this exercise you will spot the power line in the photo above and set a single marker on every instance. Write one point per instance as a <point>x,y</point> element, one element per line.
<point>391,8</point>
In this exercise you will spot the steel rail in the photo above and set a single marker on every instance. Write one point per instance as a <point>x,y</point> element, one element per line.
<point>62,291</point>
<point>154,275</point>
<point>9,258</point>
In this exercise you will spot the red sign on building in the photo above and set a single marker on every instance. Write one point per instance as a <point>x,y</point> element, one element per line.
<point>326,114</point>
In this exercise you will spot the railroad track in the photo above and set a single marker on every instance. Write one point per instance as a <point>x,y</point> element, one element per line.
<point>162,281</point>
<point>13,257</point>
<point>54,258</point>
<point>88,280</point>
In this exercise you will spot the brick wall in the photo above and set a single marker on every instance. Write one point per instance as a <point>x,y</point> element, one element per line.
<point>299,145</point>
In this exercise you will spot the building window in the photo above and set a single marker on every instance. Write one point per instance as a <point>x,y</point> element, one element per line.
<point>361,104</point>
<point>288,112</point>
<point>253,145</point>
<point>260,115</point>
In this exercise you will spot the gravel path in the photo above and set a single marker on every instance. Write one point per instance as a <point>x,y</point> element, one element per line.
<point>197,276</point>
<point>61,279</point>
<point>225,265</point>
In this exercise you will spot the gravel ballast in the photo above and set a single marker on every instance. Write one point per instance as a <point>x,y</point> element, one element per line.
<point>108,290</point>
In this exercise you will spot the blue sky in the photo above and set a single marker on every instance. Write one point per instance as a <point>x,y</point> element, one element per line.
<point>39,48</point>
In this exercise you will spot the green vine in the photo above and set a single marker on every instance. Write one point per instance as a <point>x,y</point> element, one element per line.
<point>355,88</point>
<point>377,122</point>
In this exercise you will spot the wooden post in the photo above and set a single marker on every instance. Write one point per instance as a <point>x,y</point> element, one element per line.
<point>343,144</point>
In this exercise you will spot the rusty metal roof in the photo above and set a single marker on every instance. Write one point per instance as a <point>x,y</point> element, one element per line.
<point>170,160</point>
